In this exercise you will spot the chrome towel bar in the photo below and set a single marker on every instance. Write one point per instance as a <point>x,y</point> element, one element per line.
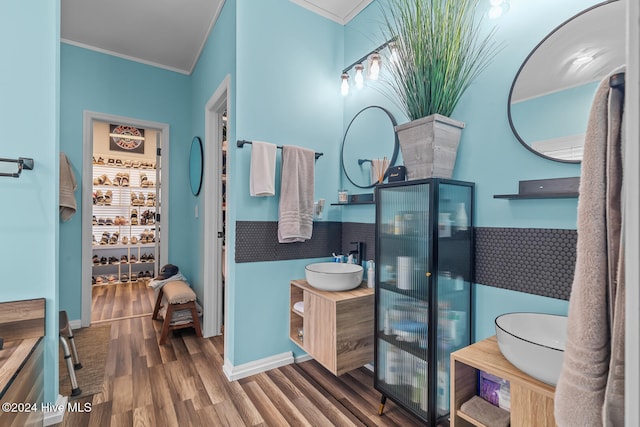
<point>241,142</point>
<point>23,164</point>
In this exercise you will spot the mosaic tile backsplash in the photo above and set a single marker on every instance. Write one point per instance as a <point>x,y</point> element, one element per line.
<point>532,260</point>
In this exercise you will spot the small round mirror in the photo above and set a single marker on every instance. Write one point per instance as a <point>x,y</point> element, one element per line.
<point>369,139</point>
<point>195,165</point>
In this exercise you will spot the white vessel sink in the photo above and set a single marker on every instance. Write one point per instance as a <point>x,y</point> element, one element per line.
<point>333,276</point>
<point>533,343</point>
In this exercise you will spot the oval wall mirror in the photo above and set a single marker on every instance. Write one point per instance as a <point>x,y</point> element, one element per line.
<point>370,137</point>
<point>195,165</point>
<point>552,93</point>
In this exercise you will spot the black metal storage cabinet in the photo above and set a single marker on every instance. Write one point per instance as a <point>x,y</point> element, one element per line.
<point>424,253</point>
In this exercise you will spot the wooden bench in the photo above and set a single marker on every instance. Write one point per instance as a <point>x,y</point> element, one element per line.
<point>179,296</point>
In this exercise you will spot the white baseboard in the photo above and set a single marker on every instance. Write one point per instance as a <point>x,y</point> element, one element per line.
<point>54,413</point>
<point>303,358</point>
<point>75,324</point>
<point>234,373</point>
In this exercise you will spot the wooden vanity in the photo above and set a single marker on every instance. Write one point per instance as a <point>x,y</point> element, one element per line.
<point>531,400</point>
<point>336,328</point>
<point>22,325</point>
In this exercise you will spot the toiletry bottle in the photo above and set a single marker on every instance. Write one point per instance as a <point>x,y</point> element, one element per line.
<point>371,274</point>
<point>461,220</point>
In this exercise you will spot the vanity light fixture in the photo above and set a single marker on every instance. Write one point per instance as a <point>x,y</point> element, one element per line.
<point>374,66</point>
<point>344,87</point>
<point>359,77</point>
<point>374,62</point>
<point>498,8</point>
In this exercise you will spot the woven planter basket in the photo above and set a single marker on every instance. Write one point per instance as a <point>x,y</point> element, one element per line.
<point>429,146</point>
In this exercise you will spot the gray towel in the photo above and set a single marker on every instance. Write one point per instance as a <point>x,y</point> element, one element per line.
<point>483,411</point>
<point>295,222</point>
<point>67,186</point>
<point>590,388</point>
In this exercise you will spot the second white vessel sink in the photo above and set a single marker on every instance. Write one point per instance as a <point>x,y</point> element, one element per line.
<point>334,276</point>
<point>533,343</point>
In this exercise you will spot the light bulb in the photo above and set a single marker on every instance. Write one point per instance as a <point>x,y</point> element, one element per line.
<point>374,66</point>
<point>344,87</point>
<point>394,53</point>
<point>359,78</point>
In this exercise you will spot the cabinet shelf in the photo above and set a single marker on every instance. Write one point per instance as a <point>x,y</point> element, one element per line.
<point>364,202</point>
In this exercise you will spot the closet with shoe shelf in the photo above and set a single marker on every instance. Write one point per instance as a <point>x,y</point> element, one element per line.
<point>124,224</point>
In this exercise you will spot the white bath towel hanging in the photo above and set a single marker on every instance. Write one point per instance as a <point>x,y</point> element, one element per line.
<point>295,222</point>
<point>262,176</point>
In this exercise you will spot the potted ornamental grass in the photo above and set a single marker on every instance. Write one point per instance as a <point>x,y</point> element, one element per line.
<point>439,51</point>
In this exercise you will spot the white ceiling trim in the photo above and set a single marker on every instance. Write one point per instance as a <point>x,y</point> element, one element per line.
<point>313,6</point>
<point>127,57</point>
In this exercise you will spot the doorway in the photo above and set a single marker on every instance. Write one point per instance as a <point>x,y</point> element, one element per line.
<point>216,178</point>
<point>125,182</point>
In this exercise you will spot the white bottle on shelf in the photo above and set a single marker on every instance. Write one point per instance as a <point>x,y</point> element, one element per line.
<point>461,220</point>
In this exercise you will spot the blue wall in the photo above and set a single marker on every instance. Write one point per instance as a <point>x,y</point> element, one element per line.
<point>29,34</point>
<point>287,62</point>
<point>106,84</point>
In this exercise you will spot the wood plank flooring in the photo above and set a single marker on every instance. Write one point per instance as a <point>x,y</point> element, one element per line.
<point>122,300</point>
<point>182,384</point>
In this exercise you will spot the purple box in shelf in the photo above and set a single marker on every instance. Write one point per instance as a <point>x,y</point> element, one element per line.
<point>494,390</point>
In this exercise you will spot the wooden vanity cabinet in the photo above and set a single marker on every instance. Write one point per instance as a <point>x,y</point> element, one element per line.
<point>336,328</point>
<point>531,400</point>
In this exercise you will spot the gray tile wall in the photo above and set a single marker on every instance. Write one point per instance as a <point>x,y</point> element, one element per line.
<point>532,260</point>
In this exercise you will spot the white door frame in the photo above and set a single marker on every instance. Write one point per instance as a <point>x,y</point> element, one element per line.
<point>632,214</point>
<point>212,262</point>
<point>87,198</point>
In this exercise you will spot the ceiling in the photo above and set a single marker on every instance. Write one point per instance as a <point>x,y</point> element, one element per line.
<point>164,33</point>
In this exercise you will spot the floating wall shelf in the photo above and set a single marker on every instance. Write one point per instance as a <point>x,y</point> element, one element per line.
<point>555,188</point>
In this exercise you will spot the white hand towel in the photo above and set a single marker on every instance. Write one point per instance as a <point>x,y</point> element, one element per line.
<point>295,222</point>
<point>262,175</point>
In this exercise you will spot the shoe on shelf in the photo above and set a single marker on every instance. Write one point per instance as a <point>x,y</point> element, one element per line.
<point>93,278</point>
<point>104,260</point>
<point>105,238</point>
<point>151,258</point>
<point>114,238</point>
<point>135,164</point>
<point>134,277</point>
<point>112,278</point>
<point>118,162</point>
<point>99,198</point>
<point>100,160</point>
<point>111,162</point>
<point>124,259</point>
<point>94,221</point>
<point>96,260</point>
<point>143,258</point>
<point>134,240</point>
<point>108,196</point>
<point>133,259</point>
<point>127,163</point>
<point>125,240</point>
<point>105,180</point>
<point>98,181</point>
<point>113,260</point>
<point>144,181</point>
<point>108,221</point>
<point>124,278</point>
<point>151,199</point>
<point>124,180</point>
<point>99,280</point>
<point>134,217</point>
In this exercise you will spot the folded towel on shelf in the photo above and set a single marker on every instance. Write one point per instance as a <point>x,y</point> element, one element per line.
<point>179,317</point>
<point>262,175</point>
<point>158,283</point>
<point>68,185</point>
<point>483,411</point>
<point>295,222</point>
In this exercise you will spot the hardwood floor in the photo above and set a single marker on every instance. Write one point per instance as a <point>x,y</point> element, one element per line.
<point>121,300</point>
<point>182,383</point>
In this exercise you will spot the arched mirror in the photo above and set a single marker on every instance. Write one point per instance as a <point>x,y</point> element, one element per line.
<point>369,139</point>
<point>195,166</point>
<point>552,92</point>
